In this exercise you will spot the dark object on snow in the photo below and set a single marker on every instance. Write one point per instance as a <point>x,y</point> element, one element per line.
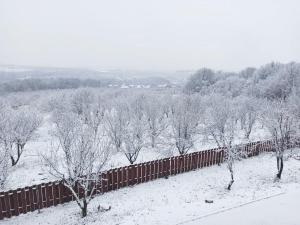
<point>209,201</point>
<point>102,209</point>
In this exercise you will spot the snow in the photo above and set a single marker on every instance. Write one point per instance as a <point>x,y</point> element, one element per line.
<point>29,171</point>
<point>181,199</point>
<point>282,208</point>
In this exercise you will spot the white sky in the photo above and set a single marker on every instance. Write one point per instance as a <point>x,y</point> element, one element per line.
<point>149,34</point>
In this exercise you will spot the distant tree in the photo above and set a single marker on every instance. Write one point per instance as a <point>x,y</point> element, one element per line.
<point>59,101</point>
<point>81,101</point>
<point>202,79</point>
<point>247,73</point>
<point>7,124</point>
<point>231,86</point>
<point>116,121</point>
<point>25,123</point>
<point>184,120</point>
<point>94,114</point>
<point>247,112</point>
<point>266,71</point>
<point>4,165</point>
<point>134,138</point>
<point>156,117</point>
<point>6,142</point>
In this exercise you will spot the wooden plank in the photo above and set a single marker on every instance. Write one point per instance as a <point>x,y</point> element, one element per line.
<point>7,204</point>
<point>3,209</point>
<point>20,200</point>
<point>23,200</point>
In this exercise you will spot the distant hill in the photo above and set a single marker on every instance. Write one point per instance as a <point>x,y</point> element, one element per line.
<point>18,78</point>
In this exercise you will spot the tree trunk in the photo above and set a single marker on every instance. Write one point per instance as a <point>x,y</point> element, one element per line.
<point>13,162</point>
<point>247,135</point>
<point>118,145</point>
<point>84,209</point>
<point>279,167</point>
<point>232,180</point>
<point>152,141</point>
<point>19,152</point>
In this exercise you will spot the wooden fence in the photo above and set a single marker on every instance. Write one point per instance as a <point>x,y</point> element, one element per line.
<point>36,197</point>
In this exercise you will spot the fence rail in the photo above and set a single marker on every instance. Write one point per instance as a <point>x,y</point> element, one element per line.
<point>36,197</point>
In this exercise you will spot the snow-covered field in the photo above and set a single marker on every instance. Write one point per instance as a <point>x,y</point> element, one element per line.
<point>181,199</point>
<point>30,171</point>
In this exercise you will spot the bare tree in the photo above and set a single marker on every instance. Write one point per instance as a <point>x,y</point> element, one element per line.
<point>220,123</point>
<point>247,113</point>
<point>7,123</point>
<point>6,141</point>
<point>280,122</point>
<point>25,123</point>
<point>80,156</point>
<point>81,101</point>
<point>184,121</point>
<point>156,117</point>
<point>135,132</point>
<point>116,121</point>
<point>4,158</point>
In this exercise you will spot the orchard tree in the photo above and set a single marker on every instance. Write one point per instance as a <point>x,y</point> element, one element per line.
<point>156,117</point>
<point>220,124</point>
<point>247,113</point>
<point>134,137</point>
<point>4,165</point>
<point>81,101</point>
<point>6,142</point>
<point>116,121</point>
<point>184,120</point>
<point>7,135</point>
<point>278,118</point>
<point>78,159</point>
<point>25,123</point>
<point>94,115</point>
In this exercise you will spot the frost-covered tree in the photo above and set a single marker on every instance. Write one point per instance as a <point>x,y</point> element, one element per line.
<point>135,133</point>
<point>220,124</point>
<point>156,117</point>
<point>6,142</point>
<point>247,112</point>
<point>4,165</point>
<point>116,121</point>
<point>199,81</point>
<point>58,101</point>
<point>81,101</point>
<point>184,120</point>
<point>247,73</point>
<point>94,115</point>
<point>25,123</point>
<point>276,81</point>
<point>78,159</point>
<point>278,118</point>
<point>7,124</point>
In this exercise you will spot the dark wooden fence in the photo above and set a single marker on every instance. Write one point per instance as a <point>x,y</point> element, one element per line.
<point>36,197</point>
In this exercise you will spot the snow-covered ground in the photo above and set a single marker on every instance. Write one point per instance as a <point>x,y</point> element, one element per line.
<point>281,209</point>
<point>181,199</point>
<point>29,171</point>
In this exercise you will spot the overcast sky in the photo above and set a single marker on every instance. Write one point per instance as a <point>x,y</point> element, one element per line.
<point>149,34</point>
